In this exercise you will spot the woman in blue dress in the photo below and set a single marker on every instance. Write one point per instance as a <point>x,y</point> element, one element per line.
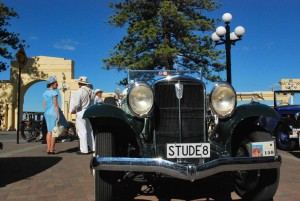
<point>52,113</point>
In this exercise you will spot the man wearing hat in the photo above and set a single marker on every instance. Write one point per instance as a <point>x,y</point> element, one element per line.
<point>81,103</point>
<point>98,96</point>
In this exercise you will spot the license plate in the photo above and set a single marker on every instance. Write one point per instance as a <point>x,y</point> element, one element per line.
<point>188,150</point>
<point>261,149</point>
<point>295,133</point>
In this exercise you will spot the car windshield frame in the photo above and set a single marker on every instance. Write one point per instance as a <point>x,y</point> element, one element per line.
<point>150,76</point>
<point>287,98</point>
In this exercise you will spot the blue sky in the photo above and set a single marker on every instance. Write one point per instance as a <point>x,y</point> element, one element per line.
<point>76,30</point>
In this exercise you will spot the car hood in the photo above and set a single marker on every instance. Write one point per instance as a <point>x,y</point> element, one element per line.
<point>289,108</point>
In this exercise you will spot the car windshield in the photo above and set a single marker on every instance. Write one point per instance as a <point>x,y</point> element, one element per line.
<point>151,76</point>
<point>287,98</point>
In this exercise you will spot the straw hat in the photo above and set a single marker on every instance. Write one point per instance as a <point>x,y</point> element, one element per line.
<point>83,80</point>
<point>98,90</point>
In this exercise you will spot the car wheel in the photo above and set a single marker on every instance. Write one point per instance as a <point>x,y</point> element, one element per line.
<point>104,185</point>
<point>283,140</point>
<point>255,185</point>
<point>110,185</point>
<point>29,131</point>
<point>72,134</point>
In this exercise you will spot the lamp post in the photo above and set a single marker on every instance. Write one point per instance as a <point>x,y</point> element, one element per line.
<point>230,39</point>
<point>64,87</point>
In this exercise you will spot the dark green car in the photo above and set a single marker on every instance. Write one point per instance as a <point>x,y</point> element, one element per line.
<point>173,140</point>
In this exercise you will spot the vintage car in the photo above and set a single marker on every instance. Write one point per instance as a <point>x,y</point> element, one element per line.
<point>287,105</point>
<point>174,140</point>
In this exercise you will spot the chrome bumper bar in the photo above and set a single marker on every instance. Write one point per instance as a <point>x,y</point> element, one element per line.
<point>189,172</point>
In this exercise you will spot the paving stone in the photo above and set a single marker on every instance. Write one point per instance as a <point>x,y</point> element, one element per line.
<point>28,173</point>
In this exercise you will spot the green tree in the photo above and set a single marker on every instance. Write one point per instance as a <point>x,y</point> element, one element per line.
<point>165,34</point>
<point>8,40</point>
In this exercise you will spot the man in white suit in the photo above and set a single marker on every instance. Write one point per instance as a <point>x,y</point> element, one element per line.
<point>81,102</point>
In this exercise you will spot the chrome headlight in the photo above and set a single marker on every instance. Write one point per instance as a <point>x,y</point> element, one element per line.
<point>140,99</point>
<point>223,99</point>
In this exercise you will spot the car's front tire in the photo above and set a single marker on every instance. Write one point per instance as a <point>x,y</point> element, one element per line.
<point>104,186</point>
<point>283,140</point>
<point>111,185</point>
<point>256,185</point>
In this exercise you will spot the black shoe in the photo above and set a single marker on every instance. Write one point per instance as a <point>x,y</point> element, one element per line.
<point>81,153</point>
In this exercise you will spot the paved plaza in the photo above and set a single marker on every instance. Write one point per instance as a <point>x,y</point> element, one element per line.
<point>28,173</point>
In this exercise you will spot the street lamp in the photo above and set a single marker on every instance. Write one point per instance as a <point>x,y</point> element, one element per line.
<point>64,87</point>
<point>230,39</point>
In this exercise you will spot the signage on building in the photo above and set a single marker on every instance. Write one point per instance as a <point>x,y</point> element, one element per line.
<point>21,57</point>
<point>290,84</point>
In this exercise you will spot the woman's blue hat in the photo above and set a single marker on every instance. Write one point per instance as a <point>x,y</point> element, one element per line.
<point>52,79</point>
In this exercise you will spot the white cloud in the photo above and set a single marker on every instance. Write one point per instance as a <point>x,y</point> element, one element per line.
<point>33,38</point>
<point>67,44</point>
<point>245,48</point>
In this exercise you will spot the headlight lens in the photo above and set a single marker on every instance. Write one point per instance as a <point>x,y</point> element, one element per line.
<point>223,99</point>
<point>140,99</point>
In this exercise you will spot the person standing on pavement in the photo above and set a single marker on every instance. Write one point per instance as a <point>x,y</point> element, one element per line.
<point>44,131</point>
<point>98,96</point>
<point>52,113</point>
<point>81,102</point>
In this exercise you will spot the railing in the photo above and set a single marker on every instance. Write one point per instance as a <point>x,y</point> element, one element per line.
<point>32,116</point>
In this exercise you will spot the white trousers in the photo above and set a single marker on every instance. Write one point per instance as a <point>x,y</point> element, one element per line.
<point>85,133</point>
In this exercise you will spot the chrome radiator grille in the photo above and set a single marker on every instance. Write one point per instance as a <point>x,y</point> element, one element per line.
<point>179,120</point>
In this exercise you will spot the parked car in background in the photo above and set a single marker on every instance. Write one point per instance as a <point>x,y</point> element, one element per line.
<point>171,139</point>
<point>287,105</point>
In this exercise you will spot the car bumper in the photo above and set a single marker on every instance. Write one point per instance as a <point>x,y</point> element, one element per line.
<point>189,172</point>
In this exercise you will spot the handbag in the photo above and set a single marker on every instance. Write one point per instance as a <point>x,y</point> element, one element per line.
<point>58,130</point>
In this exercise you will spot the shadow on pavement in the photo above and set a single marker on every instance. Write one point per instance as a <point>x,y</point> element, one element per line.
<point>295,153</point>
<point>71,150</point>
<point>18,168</point>
<point>142,200</point>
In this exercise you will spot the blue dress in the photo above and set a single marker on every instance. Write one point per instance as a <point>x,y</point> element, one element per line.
<point>50,113</point>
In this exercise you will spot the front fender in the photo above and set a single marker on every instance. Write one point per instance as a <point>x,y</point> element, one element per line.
<point>107,111</point>
<point>109,118</point>
<point>246,111</point>
<point>103,110</point>
<point>288,122</point>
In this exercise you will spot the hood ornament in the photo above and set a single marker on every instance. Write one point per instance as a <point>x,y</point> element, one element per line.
<point>179,90</point>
